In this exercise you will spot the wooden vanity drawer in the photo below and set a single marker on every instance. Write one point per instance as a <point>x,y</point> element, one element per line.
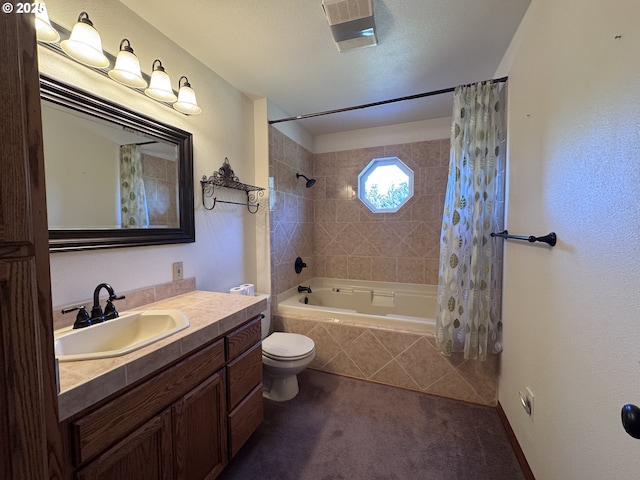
<point>244,337</point>
<point>244,419</point>
<point>243,374</point>
<point>96,431</point>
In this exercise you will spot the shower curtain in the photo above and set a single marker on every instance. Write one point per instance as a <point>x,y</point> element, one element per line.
<point>133,201</point>
<point>470,275</point>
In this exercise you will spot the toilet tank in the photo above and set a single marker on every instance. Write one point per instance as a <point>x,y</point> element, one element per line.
<point>266,319</point>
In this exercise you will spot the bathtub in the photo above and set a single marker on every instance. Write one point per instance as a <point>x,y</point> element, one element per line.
<point>395,306</point>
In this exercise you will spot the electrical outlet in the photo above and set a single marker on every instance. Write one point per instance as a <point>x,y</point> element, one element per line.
<point>527,400</point>
<point>178,273</point>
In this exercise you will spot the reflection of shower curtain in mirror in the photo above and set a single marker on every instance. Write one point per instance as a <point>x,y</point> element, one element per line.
<point>133,201</point>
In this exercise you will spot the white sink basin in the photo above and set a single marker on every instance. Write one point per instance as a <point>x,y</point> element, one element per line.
<point>129,332</point>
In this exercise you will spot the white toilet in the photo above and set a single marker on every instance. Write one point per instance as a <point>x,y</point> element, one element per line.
<point>284,355</point>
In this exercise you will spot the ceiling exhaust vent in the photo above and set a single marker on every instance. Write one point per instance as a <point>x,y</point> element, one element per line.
<point>342,11</point>
<point>351,23</point>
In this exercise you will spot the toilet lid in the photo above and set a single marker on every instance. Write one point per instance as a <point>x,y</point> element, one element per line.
<point>290,346</point>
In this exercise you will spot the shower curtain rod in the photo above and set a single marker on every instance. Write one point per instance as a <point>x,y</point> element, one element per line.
<point>375,104</point>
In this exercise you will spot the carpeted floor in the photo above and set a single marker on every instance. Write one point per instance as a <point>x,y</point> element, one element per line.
<point>343,428</point>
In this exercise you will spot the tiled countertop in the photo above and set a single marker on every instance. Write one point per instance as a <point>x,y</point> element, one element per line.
<point>211,314</point>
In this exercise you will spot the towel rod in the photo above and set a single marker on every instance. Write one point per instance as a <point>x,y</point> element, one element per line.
<point>252,207</point>
<point>549,239</point>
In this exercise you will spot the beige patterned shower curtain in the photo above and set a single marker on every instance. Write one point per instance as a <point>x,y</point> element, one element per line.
<point>470,275</point>
<point>133,201</point>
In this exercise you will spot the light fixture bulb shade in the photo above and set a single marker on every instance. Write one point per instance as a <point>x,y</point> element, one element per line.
<point>85,46</point>
<point>160,87</point>
<point>187,101</point>
<point>127,70</point>
<point>44,31</point>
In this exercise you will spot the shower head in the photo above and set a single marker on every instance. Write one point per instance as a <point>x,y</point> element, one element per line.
<point>310,181</point>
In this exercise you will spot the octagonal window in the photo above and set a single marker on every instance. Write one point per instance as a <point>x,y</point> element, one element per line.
<point>385,185</point>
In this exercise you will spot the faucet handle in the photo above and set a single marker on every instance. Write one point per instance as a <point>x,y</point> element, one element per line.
<point>299,265</point>
<point>82,319</point>
<point>110,311</point>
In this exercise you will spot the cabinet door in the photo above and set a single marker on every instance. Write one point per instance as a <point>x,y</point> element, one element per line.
<point>244,373</point>
<point>244,419</point>
<point>200,431</point>
<point>20,130</point>
<point>17,309</point>
<point>145,454</point>
<point>30,441</point>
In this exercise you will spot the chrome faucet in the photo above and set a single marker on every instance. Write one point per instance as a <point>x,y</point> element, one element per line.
<point>109,309</point>
<point>304,289</point>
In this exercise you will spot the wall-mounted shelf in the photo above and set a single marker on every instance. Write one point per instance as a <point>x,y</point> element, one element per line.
<point>225,177</point>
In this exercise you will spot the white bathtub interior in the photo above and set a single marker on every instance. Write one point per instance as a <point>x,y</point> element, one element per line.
<point>401,306</point>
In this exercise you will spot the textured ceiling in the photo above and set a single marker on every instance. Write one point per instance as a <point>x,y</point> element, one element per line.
<point>283,50</point>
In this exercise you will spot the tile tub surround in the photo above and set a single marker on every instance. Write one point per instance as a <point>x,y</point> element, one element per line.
<point>211,314</point>
<point>352,242</point>
<point>291,220</point>
<point>335,233</point>
<point>395,357</point>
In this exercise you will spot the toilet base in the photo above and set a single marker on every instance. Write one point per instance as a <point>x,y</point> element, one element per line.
<point>280,389</point>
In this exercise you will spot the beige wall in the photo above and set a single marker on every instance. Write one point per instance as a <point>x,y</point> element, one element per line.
<point>571,313</point>
<point>410,132</point>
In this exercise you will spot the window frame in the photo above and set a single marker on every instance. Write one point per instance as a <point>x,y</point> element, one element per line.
<point>370,168</point>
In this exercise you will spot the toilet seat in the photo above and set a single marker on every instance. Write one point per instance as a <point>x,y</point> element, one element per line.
<point>287,346</point>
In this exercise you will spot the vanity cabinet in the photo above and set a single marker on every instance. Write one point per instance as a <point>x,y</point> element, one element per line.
<point>184,422</point>
<point>185,441</point>
<point>173,426</point>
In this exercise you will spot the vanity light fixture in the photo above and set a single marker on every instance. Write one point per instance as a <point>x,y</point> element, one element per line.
<point>186,98</point>
<point>44,31</point>
<point>127,68</point>
<point>84,44</point>
<point>160,84</point>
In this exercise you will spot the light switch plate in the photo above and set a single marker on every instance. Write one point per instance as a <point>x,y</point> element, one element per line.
<point>178,273</point>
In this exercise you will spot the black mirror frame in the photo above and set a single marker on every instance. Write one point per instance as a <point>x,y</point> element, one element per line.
<point>73,240</point>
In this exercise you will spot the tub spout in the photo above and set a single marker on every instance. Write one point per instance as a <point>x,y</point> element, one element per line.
<point>304,289</point>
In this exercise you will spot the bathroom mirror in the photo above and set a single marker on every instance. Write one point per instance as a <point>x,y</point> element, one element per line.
<point>115,178</point>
